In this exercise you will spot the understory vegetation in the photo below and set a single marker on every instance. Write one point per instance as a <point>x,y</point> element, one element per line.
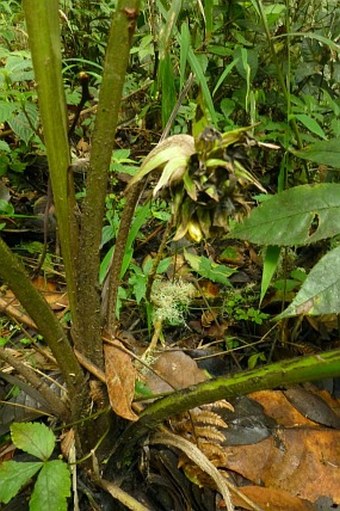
<point>169,255</point>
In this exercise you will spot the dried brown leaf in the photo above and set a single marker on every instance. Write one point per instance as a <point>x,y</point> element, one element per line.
<point>120,380</point>
<point>269,498</point>
<point>301,461</point>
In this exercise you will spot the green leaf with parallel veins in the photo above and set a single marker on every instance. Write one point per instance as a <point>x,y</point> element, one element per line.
<point>311,124</point>
<point>326,152</point>
<point>34,438</point>
<point>52,487</point>
<point>320,293</point>
<point>14,475</point>
<point>298,216</point>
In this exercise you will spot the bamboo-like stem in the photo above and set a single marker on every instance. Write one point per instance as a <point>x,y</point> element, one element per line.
<point>88,325</point>
<point>279,374</point>
<point>42,19</point>
<point>12,272</point>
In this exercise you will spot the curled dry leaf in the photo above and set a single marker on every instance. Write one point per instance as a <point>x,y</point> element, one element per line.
<point>120,380</point>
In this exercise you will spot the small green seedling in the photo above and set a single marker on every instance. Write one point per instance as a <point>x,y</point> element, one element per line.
<point>52,486</point>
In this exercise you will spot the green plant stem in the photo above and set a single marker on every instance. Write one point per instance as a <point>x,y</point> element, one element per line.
<point>280,76</point>
<point>275,375</point>
<point>88,325</point>
<point>12,272</point>
<point>42,19</point>
<point>132,197</point>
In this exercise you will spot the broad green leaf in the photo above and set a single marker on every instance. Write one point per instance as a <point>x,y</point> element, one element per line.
<point>31,111</point>
<point>273,12</point>
<point>52,487</point>
<point>164,265</point>
<point>14,475</point>
<point>4,146</point>
<point>270,262</point>
<point>138,282</point>
<point>6,208</point>
<point>107,234</point>
<point>246,62</point>
<point>6,111</point>
<point>320,293</point>
<point>298,216</point>
<point>34,438</point>
<point>208,269</point>
<point>326,152</point>
<point>20,125</point>
<point>311,124</point>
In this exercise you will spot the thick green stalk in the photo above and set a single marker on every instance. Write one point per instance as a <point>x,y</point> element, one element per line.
<point>13,273</point>
<point>279,374</point>
<point>42,19</point>
<point>116,61</point>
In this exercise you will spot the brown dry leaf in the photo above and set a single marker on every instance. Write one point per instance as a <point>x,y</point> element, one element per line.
<point>83,147</point>
<point>301,461</point>
<point>56,299</point>
<point>299,406</point>
<point>277,406</point>
<point>67,441</point>
<point>209,290</point>
<point>120,380</point>
<point>43,284</point>
<point>176,370</point>
<point>270,498</point>
<point>311,404</point>
<point>324,324</point>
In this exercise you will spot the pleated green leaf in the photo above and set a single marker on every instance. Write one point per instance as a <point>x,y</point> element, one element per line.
<point>298,216</point>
